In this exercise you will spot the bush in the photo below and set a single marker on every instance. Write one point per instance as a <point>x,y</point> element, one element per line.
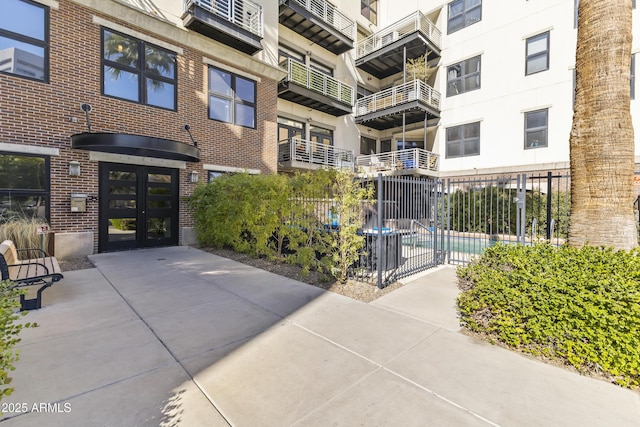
<point>9,330</point>
<point>22,231</point>
<point>284,217</point>
<point>577,306</point>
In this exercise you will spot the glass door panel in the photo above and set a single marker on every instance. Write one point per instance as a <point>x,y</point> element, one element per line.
<point>138,207</point>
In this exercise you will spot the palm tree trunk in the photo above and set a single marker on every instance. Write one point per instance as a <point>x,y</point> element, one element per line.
<point>601,142</point>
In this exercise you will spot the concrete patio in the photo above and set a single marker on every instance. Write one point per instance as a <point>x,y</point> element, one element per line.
<point>178,336</point>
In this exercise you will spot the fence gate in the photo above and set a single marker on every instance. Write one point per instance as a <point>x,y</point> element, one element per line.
<point>405,235</point>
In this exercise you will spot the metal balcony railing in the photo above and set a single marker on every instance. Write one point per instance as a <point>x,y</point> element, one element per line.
<point>415,90</point>
<point>329,14</point>
<point>407,160</point>
<point>302,150</point>
<point>243,13</point>
<point>417,21</point>
<point>309,78</point>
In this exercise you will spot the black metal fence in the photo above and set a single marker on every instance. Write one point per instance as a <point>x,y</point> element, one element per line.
<point>509,208</point>
<point>419,222</point>
<point>404,235</point>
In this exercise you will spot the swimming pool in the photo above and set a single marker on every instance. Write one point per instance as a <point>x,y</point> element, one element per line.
<point>462,244</point>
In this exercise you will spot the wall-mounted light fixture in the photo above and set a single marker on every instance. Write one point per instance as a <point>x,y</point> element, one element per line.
<point>74,168</point>
<point>195,176</point>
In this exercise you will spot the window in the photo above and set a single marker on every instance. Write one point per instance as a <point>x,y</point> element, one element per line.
<point>137,71</point>
<point>369,9</point>
<point>463,13</point>
<point>24,186</point>
<point>321,68</point>
<point>288,129</point>
<point>463,140</point>
<point>285,53</point>
<point>232,99</point>
<point>24,39</point>
<point>320,135</point>
<point>362,92</point>
<point>385,145</point>
<point>535,128</point>
<point>367,145</point>
<point>537,53</point>
<point>463,76</point>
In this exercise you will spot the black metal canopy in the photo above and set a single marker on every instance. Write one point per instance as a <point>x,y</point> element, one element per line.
<point>389,60</point>
<point>135,145</point>
<point>295,16</point>
<point>390,118</point>
<point>221,29</point>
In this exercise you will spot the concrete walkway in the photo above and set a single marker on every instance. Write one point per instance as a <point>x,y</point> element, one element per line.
<point>177,336</point>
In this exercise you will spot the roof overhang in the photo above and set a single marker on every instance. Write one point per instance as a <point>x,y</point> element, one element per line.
<point>135,145</point>
<point>389,118</point>
<point>389,60</point>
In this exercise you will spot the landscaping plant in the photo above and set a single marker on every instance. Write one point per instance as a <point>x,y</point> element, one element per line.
<point>23,231</point>
<point>577,306</point>
<point>9,330</point>
<point>285,218</point>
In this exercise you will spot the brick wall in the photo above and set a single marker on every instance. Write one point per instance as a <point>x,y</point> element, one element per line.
<point>46,114</point>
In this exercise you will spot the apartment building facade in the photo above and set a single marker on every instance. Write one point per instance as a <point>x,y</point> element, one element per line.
<point>506,75</point>
<point>111,111</point>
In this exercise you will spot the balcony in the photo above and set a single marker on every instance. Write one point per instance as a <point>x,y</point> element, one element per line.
<point>296,153</point>
<point>413,161</point>
<point>306,86</point>
<point>382,54</point>
<point>236,23</point>
<point>320,22</point>
<point>385,109</point>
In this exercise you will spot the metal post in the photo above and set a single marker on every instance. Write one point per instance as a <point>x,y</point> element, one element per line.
<point>404,83</point>
<point>379,237</point>
<point>521,217</point>
<point>549,197</point>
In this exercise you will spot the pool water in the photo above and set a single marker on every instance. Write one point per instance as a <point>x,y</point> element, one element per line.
<point>469,245</point>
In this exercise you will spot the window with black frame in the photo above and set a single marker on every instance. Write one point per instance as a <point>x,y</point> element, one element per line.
<point>463,140</point>
<point>24,186</point>
<point>369,9</point>
<point>535,128</point>
<point>463,13</point>
<point>24,39</point>
<point>463,76</point>
<point>232,98</point>
<point>537,53</point>
<point>367,145</point>
<point>137,71</point>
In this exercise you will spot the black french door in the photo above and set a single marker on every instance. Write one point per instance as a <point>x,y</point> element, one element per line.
<point>138,207</point>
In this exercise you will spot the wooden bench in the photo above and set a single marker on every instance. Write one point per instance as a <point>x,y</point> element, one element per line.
<point>35,269</point>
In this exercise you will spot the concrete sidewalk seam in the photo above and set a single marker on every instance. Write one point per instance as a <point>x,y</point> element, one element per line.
<point>441,397</point>
<point>410,316</point>
<point>165,347</point>
<point>380,366</point>
<point>337,395</point>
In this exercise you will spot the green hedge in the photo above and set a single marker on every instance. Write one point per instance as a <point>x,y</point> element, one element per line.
<point>577,306</point>
<point>283,217</point>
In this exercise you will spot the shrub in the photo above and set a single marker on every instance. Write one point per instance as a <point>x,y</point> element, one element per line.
<point>284,217</point>
<point>9,330</point>
<point>22,230</point>
<point>578,306</point>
